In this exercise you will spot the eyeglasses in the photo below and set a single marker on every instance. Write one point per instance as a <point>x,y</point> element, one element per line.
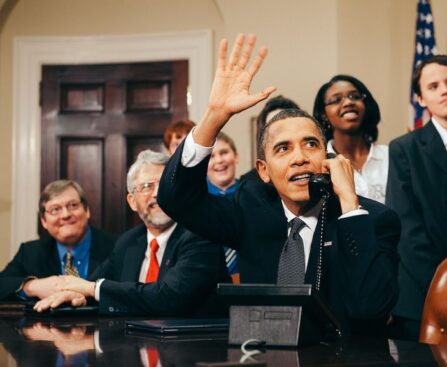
<point>146,188</point>
<point>352,96</point>
<point>56,210</point>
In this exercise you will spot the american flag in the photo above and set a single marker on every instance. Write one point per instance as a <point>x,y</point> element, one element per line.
<point>425,47</point>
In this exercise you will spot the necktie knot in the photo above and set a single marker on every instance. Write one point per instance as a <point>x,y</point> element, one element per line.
<point>154,245</point>
<point>296,224</point>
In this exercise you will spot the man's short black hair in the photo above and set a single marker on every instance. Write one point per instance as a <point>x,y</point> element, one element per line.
<point>282,115</point>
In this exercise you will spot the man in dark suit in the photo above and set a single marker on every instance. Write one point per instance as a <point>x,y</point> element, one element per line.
<point>158,268</point>
<point>64,213</point>
<point>417,191</point>
<point>358,268</point>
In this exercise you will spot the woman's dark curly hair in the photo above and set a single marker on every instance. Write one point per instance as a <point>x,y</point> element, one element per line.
<point>372,111</point>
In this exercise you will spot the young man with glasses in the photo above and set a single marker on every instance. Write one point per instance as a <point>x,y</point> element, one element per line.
<point>72,247</point>
<point>157,268</point>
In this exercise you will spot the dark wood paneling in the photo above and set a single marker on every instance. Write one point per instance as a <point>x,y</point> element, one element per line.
<point>77,98</point>
<point>82,161</point>
<point>148,96</point>
<point>90,104</point>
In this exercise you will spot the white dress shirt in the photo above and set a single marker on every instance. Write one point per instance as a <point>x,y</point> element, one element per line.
<point>162,240</point>
<point>371,181</point>
<point>441,130</point>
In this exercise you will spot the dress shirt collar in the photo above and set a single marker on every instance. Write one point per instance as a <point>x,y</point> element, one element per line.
<point>441,130</point>
<point>80,251</point>
<point>310,218</point>
<point>372,154</point>
<point>214,190</point>
<point>162,240</point>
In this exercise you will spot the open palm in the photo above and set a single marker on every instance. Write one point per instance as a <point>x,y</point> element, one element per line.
<point>230,92</point>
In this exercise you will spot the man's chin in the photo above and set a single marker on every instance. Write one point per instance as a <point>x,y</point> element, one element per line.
<point>160,221</point>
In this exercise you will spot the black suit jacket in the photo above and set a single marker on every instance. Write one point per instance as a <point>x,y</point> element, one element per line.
<point>187,279</point>
<point>360,277</point>
<point>417,191</point>
<point>39,258</point>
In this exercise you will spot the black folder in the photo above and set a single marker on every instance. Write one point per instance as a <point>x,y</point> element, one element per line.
<point>178,326</point>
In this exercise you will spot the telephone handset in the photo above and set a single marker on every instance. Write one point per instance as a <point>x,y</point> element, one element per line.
<point>320,184</point>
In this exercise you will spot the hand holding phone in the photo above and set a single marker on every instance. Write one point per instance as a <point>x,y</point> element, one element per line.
<point>342,178</point>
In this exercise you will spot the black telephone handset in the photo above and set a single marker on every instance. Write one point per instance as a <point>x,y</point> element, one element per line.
<point>320,186</point>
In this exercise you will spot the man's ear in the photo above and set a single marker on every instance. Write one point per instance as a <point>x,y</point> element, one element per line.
<point>131,202</point>
<point>43,222</point>
<point>262,169</point>
<point>421,101</point>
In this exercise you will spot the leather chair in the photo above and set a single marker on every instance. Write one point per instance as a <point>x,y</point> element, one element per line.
<point>434,317</point>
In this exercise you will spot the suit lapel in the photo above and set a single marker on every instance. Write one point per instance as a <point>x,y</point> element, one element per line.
<point>52,257</point>
<point>133,259</point>
<point>170,251</point>
<point>95,248</point>
<point>433,146</point>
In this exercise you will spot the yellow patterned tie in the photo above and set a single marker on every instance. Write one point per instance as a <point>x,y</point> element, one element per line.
<point>69,269</point>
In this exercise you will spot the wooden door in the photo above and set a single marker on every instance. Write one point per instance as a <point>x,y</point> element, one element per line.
<point>97,118</point>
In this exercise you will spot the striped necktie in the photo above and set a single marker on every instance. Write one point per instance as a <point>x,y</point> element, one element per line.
<point>69,268</point>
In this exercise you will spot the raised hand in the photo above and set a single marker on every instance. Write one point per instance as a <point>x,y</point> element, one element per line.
<point>230,92</point>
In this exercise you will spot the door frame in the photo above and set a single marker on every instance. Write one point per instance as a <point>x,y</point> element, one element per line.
<point>30,53</point>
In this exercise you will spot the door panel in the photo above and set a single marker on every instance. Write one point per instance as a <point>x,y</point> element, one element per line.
<point>97,118</point>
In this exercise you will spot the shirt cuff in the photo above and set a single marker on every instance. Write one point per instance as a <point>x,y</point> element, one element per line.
<point>194,153</point>
<point>20,292</point>
<point>355,212</point>
<point>97,288</point>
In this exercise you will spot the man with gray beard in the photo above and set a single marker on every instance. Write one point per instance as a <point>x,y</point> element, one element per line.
<point>158,268</point>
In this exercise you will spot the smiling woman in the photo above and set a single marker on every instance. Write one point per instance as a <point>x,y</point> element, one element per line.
<point>351,114</point>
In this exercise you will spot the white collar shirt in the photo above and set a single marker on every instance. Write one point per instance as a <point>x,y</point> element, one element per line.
<point>310,219</point>
<point>371,181</point>
<point>162,240</point>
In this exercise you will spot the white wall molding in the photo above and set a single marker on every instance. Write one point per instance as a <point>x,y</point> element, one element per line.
<point>30,53</point>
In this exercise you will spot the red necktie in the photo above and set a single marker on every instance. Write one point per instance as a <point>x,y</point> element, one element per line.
<point>152,353</point>
<point>152,272</point>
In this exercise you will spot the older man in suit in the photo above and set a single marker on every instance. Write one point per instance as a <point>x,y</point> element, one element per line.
<point>276,228</point>
<point>73,247</point>
<point>417,191</point>
<point>158,268</point>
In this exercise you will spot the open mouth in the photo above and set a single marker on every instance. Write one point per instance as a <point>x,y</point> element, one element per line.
<point>349,114</point>
<point>220,169</point>
<point>152,205</point>
<point>300,178</point>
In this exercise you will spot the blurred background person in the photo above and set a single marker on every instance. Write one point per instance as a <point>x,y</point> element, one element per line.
<point>175,133</point>
<point>351,115</point>
<point>221,179</point>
